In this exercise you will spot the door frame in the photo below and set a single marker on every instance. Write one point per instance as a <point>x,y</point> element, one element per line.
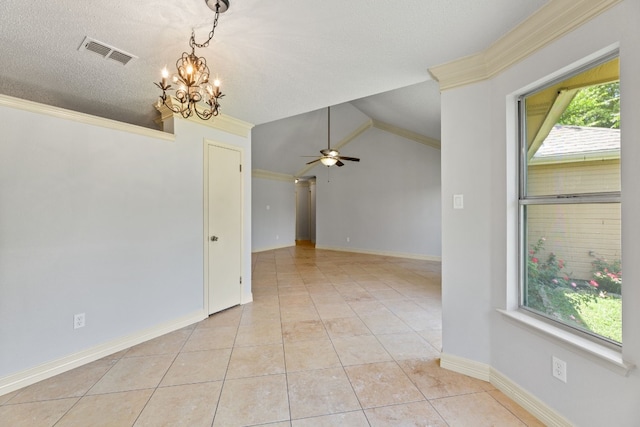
<point>205,206</point>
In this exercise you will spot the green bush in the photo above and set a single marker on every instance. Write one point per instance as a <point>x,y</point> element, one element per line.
<point>606,276</point>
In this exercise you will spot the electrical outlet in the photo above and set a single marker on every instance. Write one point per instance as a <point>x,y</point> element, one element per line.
<point>78,320</point>
<point>559,369</point>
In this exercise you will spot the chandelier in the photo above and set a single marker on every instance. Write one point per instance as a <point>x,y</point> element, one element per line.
<point>193,91</point>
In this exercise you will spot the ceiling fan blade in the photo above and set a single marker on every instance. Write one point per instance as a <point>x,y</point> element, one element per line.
<point>339,163</point>
<point>313,161</point>
<point>351,159</point>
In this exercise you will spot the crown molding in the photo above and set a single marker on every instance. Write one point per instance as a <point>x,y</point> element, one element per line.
<point>550,22</point>
<point>407,134</point>
<point>274,176</point>
<point>222,122</point>
<point>61,113</point>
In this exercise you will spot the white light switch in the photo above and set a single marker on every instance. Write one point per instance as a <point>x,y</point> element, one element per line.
<point>458,201</point>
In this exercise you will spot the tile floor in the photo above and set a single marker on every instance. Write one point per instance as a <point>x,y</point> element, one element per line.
<point>331,339</point>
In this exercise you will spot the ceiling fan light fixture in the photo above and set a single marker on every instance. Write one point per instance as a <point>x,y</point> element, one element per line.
<point>329,160</point>
<point>192,78</point>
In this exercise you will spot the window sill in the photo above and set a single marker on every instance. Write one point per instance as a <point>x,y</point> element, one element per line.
<point>607,357</point>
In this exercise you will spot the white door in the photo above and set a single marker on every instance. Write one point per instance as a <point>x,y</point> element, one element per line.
<point>225,227</point>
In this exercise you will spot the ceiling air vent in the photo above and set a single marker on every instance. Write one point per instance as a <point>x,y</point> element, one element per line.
<point>106,51</point>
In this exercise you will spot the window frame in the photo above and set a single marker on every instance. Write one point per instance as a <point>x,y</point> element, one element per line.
<point>547,200</point>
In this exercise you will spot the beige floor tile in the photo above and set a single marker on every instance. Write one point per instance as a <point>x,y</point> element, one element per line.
<point>170,343</point>
<point>303,299</point>
<point>309,355</point>
<point>327,298</point>
<point>197,367</point>
<point>7,397</point>
<point>419,321</point>
<point>303,330</point>
<point>515,409</point>
<point>408,345</point>
<point>259,334</point>
<point>256,361</point>
<point>334,310</point>
<point>386,294</point>
<point>435,382</point>
<point>249,401</point>
<point>74,383</point>
<point>229,317</point>
<point>346,327</point>
<point>299,313</point>
<point>36,414</point>
<point>133,373</point>
<point>211,338</point>
<point>320,392</point>
<point>433,337</point>
<point>416,414</point>
<point>381,384</point>
<point>346,419</point>
<point>386,323</point>
<point>360,349</point>
<point>114,409</point>
<point>191,405</point>
<point>369,308</point>
<point>478,410</point>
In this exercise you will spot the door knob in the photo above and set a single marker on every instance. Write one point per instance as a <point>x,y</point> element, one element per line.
<point>214,238</point>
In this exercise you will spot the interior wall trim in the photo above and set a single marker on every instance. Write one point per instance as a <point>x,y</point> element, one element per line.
<point>47,370</point>
<point>382,253</point>
<point>274,176</point>
<point>407,134</point>
<point>61,113</point>
<point>271,248</point>
<point>547,24</point>
<point>222,122</point>
<point>485,372</point>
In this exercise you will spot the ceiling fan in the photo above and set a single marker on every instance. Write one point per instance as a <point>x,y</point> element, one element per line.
<point>331,156</point>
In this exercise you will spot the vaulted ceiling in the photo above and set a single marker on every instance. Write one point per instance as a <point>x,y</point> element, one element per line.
<point>275,59</point>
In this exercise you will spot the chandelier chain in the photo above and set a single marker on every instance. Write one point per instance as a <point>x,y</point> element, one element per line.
<point>192,41</point>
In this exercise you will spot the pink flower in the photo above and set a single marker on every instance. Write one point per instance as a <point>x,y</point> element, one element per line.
<point>555,281</point>
<point>594,283</point>
<point>534,260</point>
<point>574,284</point>
<point>572,317</point>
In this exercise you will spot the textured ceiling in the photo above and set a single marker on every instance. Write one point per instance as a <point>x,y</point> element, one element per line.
<point>275,59</point>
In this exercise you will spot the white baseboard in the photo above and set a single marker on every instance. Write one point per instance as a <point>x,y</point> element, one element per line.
<point>47,370</point>
<point>381,253</point>
<point>528,401</point>
<point>271,248</point>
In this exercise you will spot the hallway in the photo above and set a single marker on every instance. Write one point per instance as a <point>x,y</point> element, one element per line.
<point>332,338</point>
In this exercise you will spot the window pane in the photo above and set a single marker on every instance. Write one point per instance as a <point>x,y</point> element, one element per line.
<point>573,271</point>
<point>574,177</point>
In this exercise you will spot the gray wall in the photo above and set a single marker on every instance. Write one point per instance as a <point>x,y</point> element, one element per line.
<point>389,202</point>
<point>479,242</point>
<point>102,222</point>
<point>273,227</point>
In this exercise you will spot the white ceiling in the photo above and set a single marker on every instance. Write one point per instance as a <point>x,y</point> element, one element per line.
<point>276,59</point>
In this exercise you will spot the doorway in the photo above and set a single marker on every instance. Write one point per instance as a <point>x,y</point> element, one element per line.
<point>306,209</point>
<point>222,226</point>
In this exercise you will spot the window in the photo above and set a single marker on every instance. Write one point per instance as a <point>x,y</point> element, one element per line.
<point>569,196</point>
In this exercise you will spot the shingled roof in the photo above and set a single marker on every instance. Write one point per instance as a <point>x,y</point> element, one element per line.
<point>579,141</point>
